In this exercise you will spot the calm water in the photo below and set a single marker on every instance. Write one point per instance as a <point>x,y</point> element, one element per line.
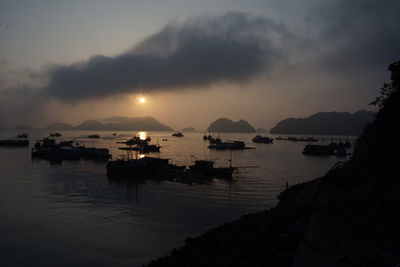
<point>71,214</point>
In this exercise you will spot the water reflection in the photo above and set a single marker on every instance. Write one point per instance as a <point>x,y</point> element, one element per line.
<point>142,135</point>
<point>76,211</point>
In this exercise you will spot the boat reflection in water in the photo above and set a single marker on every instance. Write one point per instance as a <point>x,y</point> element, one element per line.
<point>263,139</point>
<point>140,143</point>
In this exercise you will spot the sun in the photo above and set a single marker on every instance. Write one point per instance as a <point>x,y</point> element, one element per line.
<point>142,100</point>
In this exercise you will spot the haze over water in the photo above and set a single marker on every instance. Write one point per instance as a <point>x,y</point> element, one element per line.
<point>72,214</point>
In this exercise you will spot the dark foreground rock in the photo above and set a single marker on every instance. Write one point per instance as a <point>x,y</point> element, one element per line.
<point>349,217</point>
<point>268,238</point>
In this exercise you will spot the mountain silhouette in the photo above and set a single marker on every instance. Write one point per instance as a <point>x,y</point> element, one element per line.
<point>224,125</point>
<point>124,124</point>
<point>189,129</point>
<point>329,123</point>
<point>59,126</point>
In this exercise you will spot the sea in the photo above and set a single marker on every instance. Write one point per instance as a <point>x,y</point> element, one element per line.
<point>72,214</point>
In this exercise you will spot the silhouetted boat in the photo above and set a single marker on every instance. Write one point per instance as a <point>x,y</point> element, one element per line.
<point>341,152</point>
<point>23,135</point>
<point>54,134</point>
<point>140,145</point>
<point>50,150</point>
<point>177,134</point>
<point>206,169</point>
<point>333,149</point>
<point>136,140</point>
<point>229,145</point>
<point>213,140</point>
<point>298,139</point>
<point>94,136</point>
<point>14,142</point>
<point>143,148</point>
<point>262,139</point>
<point>309,139</point>
<point>146,167</point>
<point>321,150</point>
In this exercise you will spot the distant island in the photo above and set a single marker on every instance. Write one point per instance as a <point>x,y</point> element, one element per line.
<point>124,124</point>
<point>189,129</point>
<point>261,130</point>
<point>224,125</point>
<point>59,126</point>
<point>329,123</point>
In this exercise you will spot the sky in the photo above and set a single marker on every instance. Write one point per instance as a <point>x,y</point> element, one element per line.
<point>193,61</point>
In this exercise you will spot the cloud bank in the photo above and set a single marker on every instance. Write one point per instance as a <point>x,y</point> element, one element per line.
<point>359,35</point>
<point>234,47</point>
<point>346,45</point>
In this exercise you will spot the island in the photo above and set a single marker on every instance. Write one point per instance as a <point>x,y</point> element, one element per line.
<point>326,123</point>
<point>189,130</point>
<point>224,125</point>
<point>124,124</point>
<point>59,126</point>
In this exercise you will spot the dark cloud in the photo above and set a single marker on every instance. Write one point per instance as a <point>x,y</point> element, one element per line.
<point>345,50</point>
<point>359,35</point>
<point>234,47</point>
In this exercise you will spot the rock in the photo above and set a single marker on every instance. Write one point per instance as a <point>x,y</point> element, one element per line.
<point>224,125</point>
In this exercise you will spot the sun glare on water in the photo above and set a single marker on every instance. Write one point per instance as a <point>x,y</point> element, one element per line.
<point>142,100</point>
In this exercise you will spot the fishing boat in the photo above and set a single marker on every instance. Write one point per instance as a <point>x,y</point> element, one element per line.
<point>236,145</point>
<point>213,140</point>
<point>54,134</point>
<point>262,139</point>
<point>298,139</point>
<point>14,142</point>
<point>177,134</point>
<point>146,167</point>
<point>50,150</point>
<point>320,150</point>
<point>332,149</point>
<point>140,145</point>
<point>142,148</point>
<point>23,135</point>
<point>94,136</point>
<point>206,169</point>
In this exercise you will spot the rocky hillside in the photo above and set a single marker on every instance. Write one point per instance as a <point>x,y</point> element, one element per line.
<point>124,124</point>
